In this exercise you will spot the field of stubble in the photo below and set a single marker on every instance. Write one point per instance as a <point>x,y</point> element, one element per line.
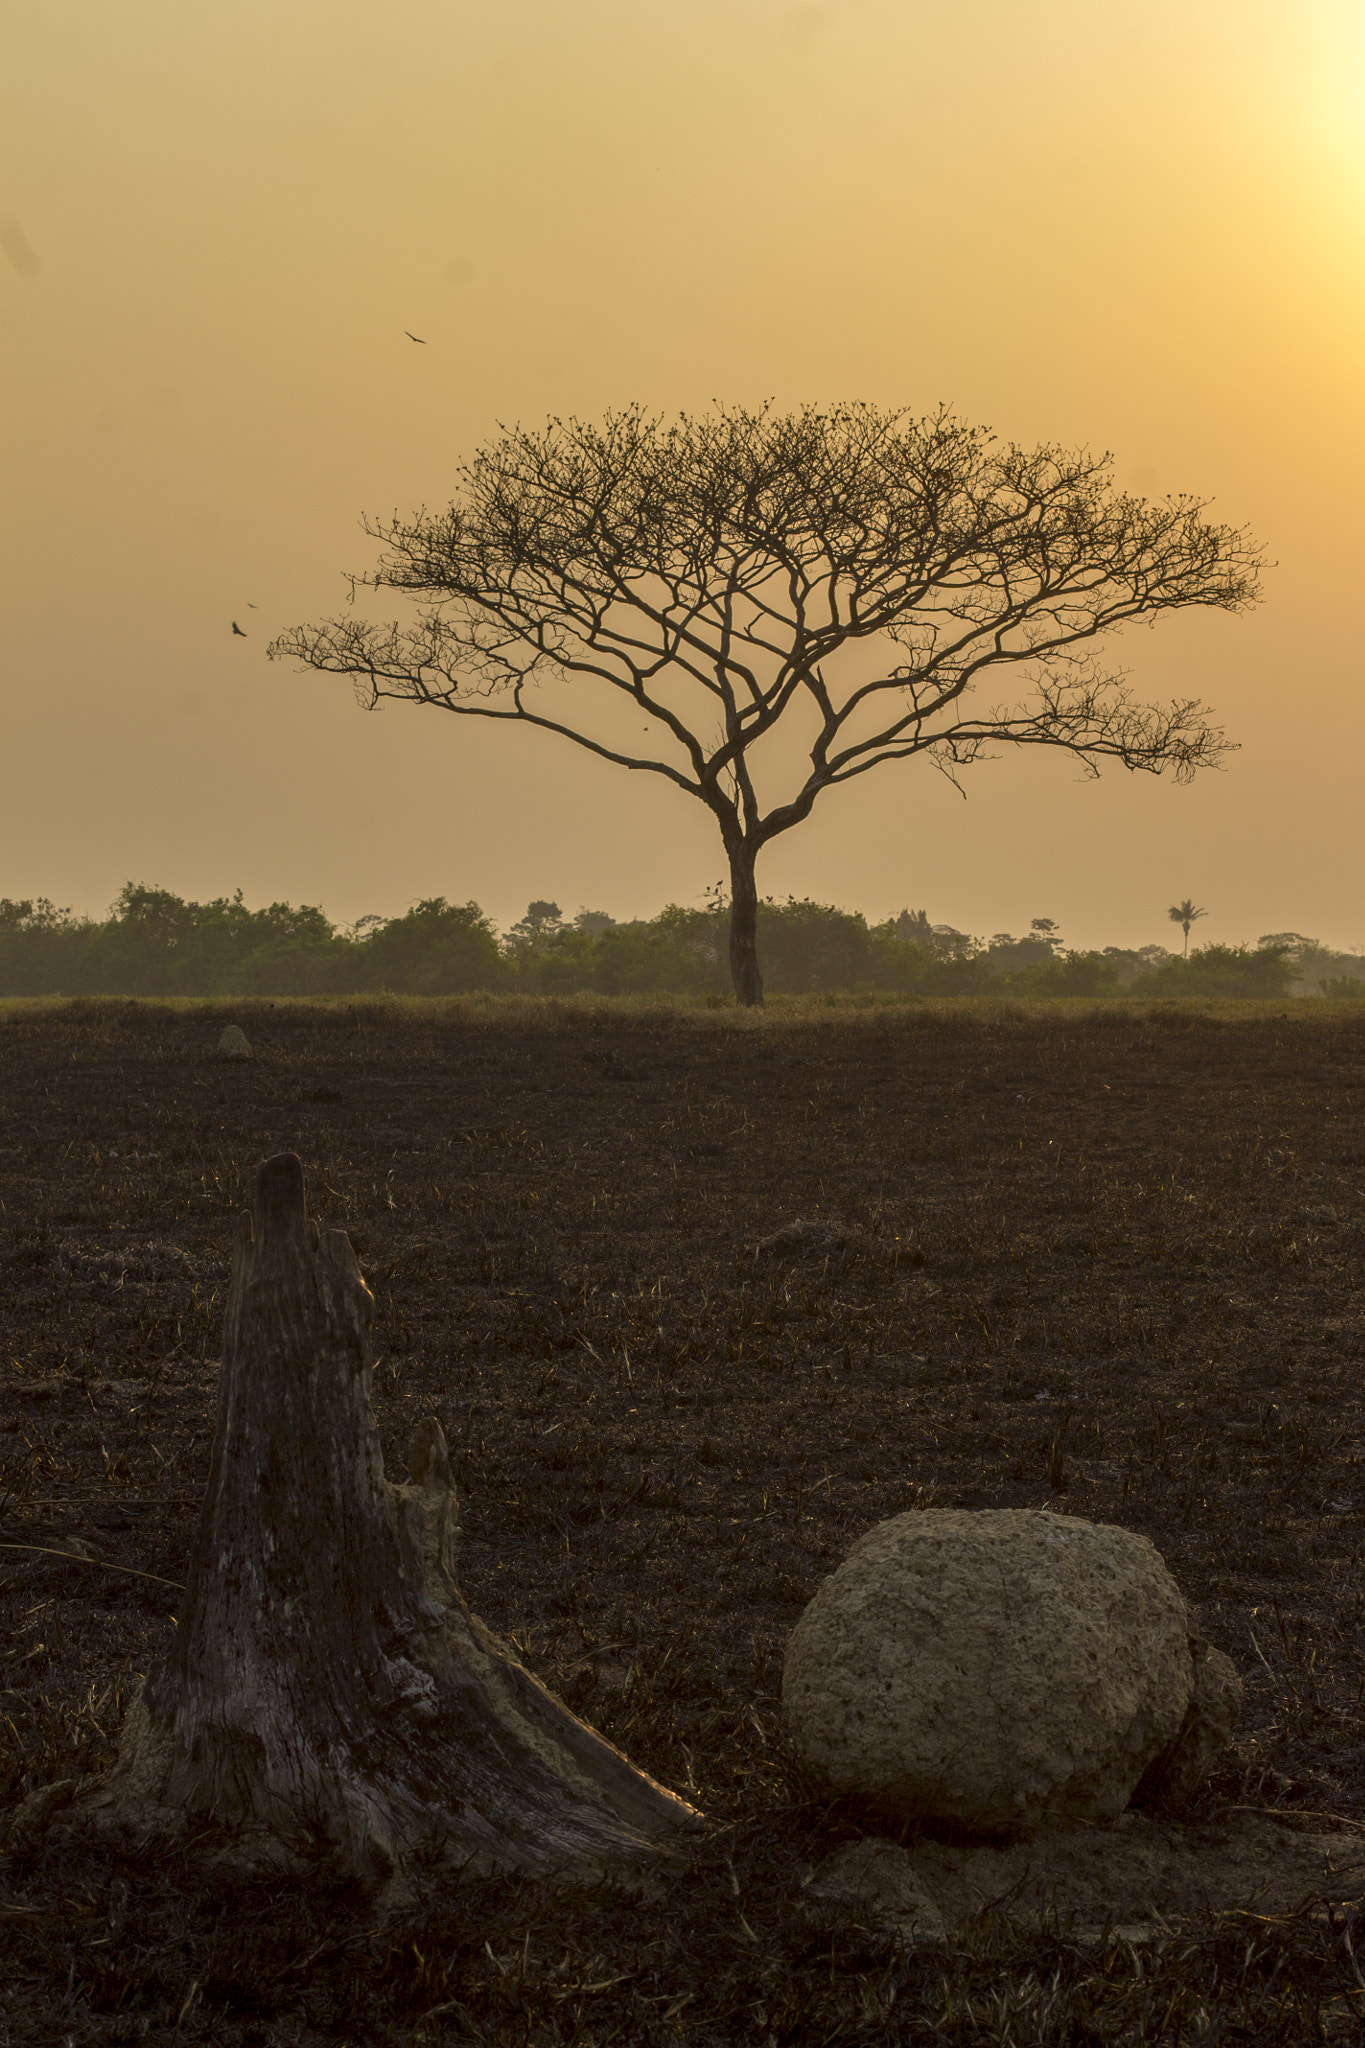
<point>1105,1261</point>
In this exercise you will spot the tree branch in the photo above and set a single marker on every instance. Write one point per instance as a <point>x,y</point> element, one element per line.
<point>733,565</point>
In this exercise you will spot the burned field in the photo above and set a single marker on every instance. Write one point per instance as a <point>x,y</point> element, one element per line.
<point>1104,1262</point>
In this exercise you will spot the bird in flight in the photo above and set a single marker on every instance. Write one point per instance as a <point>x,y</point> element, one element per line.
<point>414,337</point>
<point>238,631</point>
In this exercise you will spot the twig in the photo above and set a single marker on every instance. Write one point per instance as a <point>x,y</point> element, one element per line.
<point>1351,1954</point>
<point>1300,1813</point>
<point>100,1500</point>
<point>70,1557</point>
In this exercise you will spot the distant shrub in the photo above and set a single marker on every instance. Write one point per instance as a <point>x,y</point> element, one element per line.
<point>43,950</point>
<point>157,944</point>
<point>437,949</point>
<point>1074,974</point>
<point>154,943</point>
<point>1220,971</point>
<point>806,947</point>
<point>1130,961</point>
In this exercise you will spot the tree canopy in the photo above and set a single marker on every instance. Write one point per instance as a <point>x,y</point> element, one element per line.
<point>666,593</point>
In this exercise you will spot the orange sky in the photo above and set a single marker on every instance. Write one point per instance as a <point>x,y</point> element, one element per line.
<point>1137,227</point>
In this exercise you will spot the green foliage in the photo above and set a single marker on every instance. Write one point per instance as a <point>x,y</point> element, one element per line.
<point>1074,974</point>
<point>807,947</point>
<point>1317,968</point>
<point>537,931</point>
<point>155,943</point>
<point>1221,971</point>
<point>679,952</point>
<point>32,917</point>
<point>37,942</point>
<point>438,949</point>
<point>1130,961</point>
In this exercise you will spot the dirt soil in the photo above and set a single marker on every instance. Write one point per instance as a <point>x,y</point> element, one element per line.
<point>1105,1262</point>
<point>1144,1873</point>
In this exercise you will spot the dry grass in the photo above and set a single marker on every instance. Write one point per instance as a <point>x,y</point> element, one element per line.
<point>1092,1257</point>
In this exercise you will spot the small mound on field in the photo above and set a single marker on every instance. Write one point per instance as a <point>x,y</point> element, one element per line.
<point>144,1261</point>
<point>814,1243</point>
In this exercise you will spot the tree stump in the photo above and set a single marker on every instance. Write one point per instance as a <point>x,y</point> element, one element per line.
<point>329,1694</point>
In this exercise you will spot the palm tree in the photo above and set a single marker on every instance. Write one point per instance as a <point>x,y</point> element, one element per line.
<point>1184,914</point>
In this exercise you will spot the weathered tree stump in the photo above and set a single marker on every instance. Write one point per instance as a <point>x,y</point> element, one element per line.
<point>329,1692</point>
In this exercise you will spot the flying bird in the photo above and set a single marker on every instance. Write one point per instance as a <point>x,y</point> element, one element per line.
<point>238,631</point>
<point>413,337</point>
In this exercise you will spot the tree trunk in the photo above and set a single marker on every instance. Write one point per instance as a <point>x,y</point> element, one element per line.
<point>744,968</point>
<point>329,1694</point>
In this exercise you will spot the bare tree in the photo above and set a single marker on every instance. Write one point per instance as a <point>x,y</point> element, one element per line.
<point>1186,914</point>
<point>665,594</point>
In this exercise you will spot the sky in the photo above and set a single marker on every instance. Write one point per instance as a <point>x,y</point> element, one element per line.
<point>1135,228</point>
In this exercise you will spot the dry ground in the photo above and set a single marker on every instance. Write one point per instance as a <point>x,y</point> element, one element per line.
<point>1106,1261</point>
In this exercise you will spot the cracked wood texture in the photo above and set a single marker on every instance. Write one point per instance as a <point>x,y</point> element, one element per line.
<point>329,1695</point>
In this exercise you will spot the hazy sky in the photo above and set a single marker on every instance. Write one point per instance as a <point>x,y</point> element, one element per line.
<point>1138,227</point>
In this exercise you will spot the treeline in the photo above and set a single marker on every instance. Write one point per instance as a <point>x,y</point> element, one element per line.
<point>154,943</point>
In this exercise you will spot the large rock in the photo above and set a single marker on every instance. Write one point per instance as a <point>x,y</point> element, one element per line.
<point>233,1044</point>
<point>1001,1671</point>
<point>1175,1779</point>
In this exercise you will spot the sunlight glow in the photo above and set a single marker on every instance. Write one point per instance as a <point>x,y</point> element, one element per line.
<point>1335,104</point>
